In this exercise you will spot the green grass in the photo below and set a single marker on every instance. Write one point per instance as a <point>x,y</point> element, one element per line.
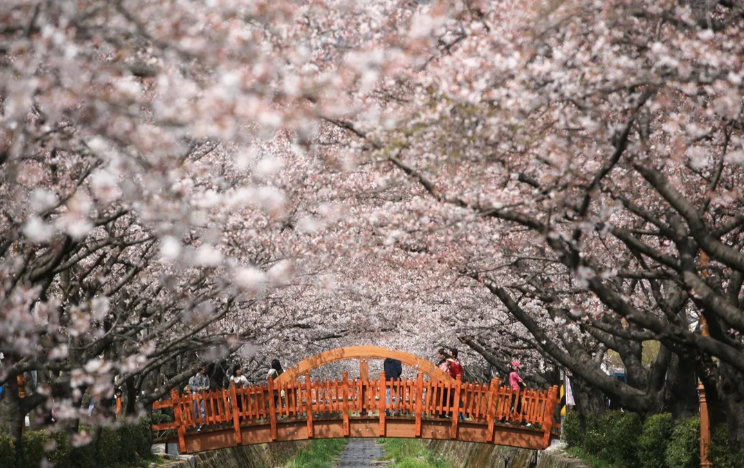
<point>590,460</point>
<point>410,453</point>
<point>318,454</point>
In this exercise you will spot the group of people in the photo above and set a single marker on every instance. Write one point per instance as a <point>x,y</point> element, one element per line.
<point>450,364</point>
<point>200,382</point>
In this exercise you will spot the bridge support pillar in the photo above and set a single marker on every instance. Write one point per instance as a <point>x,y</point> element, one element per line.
<point>345,404</point>
<point>549,413</point>
<point>382,403</point>
<point>309,406</point>
<point>419,403</point>
<point>455,406</point>
<point>493,393</point>
<point>272,409</point>
<point>178,416</point>
<point>236,413</point>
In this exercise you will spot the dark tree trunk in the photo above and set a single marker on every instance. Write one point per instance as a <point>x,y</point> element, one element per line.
<point>590,402</point>
<point>11,414</point>
<point>731,399</point>
<point>131,403</point>
<point>681,391</point>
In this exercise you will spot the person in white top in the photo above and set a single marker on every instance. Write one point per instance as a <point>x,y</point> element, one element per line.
<point>239,380</point>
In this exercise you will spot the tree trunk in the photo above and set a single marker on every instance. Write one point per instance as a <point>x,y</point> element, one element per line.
<point>131,406</point>
<point>681,391</point>
<point>731,399</point>
<point>11,414</point>
<point>590,402</point>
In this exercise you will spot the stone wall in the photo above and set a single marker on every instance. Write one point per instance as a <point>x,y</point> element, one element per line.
<point>248,456</point>
<point>472,455</point>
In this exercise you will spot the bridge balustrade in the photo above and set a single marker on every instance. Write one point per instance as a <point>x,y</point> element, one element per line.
<point>294,410</point>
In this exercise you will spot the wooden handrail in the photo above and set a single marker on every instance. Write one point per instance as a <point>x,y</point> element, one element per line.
<point>418,400</point>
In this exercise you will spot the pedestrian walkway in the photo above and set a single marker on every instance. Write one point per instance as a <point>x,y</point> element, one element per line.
<point>361,453</point>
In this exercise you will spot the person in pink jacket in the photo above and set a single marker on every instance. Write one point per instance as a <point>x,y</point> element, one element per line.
<point>516,383</point>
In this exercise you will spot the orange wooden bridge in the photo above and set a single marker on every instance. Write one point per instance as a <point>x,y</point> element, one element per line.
<point>293,409</point>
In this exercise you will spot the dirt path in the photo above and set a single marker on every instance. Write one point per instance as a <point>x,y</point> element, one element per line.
<point>361,453</point>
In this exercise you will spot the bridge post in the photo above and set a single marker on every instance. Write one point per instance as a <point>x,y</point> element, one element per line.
<point>419,403</point>
<point>309,405</point>
<point>455,406</point>
<point>236,414</point>
<point>178,416</point>
<point>549,413</point>
<point>364,379</point>
<point>493,391</point>
<point>381,404</point>
<point>272,412</point>
<point>345,404</point>
<point>363,370</point>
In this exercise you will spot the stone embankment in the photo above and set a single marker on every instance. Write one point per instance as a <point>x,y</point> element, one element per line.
<point>248,456</point>
<point>458,454</point>
<point>472,455</point>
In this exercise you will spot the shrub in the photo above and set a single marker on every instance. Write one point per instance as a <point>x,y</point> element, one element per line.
<point>720,454</point>
<point>594,437</point>
<point>143,436</point>
<point>572,435</point>
<point>115,446</point>
<point>157,418</point>
<point>654,439</point>
<point>60,456</point>
<point>619,437</point>
<point>127,434</point>
<point>683,450</point>
<point>32,449</point>
<point>613,436</point>
<point>7,451</point>
<point>85,455</point>
<point>107,446</point>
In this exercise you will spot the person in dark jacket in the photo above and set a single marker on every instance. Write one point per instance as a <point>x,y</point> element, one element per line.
<point>393,370</point>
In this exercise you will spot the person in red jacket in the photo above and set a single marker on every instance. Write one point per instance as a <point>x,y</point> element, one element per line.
<point>455,369</point>
<point>455,365</point>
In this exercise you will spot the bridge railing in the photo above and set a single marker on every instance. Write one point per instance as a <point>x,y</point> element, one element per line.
<point>344,399</point>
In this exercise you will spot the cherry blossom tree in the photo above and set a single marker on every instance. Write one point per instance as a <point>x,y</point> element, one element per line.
<point>188,182</point>
<point>602,141</point>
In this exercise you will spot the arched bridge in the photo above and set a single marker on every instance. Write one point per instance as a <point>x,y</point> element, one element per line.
<point>285,410</point>
<point>363,354</point>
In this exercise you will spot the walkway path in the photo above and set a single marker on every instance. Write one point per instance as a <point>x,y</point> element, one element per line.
<point>361,453</point>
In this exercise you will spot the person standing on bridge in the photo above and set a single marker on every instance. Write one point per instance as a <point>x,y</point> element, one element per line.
<point>239,380</point>
<point>456,370</point>
<point>393,369</point>
<point>199,383</point>
<point>275,371</point>
<point>516,383</point>
<point>444,366</point>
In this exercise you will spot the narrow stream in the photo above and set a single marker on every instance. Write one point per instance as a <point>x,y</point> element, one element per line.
<point>361,453</point>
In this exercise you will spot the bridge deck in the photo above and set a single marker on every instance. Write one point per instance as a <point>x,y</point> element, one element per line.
<point>337,409</point>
